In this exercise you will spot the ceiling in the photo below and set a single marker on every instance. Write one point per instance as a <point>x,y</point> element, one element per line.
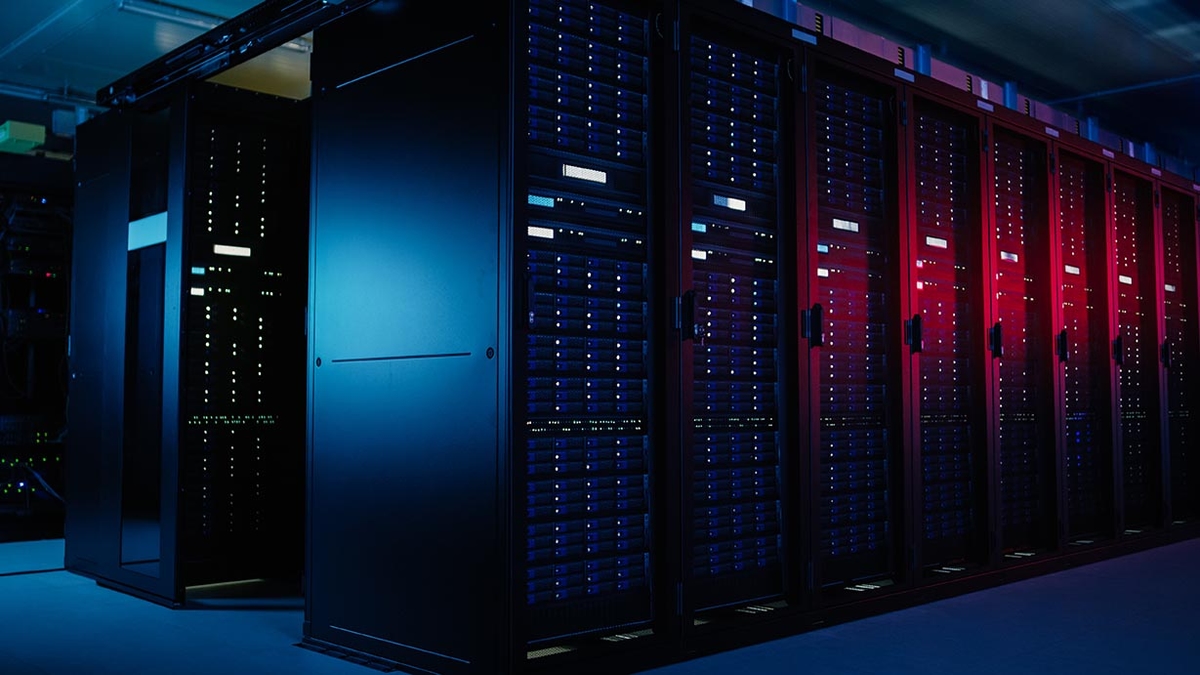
<point>65,50</point>
<point>62,51</point>
<point>1075,54</point>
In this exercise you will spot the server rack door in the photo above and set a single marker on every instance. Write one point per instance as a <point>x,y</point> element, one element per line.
<point>1135,350</point>
<point>584,457</point>
<point>946,337</point>
<point>242,406</point>
<point>1021,345</point>
<point>853,329</point>
<point>1180,351</point>
<point>734,449</point>
<point>1082,348</point>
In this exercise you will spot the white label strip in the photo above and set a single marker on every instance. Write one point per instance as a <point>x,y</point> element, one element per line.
<point>1108,153</point>
<point>1170,288</point>
<point>148,231</point>
<point>1052,132</point>
<point>1010,257</point>
<point>1071,269</point>
<point>235,251</point>
<point>905,75</point>
<point>697,254</point>
<point>936,242</point>
<point>541,232</point>
<point>986,106</point>
<point>730,202</point>
<point>1128,281</point>
<point>822,272</point>
<point>197,291</point>
<point>847,225</point>
<point>804,37</point>
<point>1156,172</point>
<point>579,172</point>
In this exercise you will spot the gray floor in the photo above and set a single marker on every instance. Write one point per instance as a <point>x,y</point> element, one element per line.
<point>1137,614</point>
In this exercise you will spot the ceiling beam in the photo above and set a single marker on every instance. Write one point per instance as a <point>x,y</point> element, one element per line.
<point>249,34</point>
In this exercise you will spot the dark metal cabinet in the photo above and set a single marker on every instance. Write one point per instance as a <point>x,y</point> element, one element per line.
<point>735,436</point>
<point>852,327</point>
<point>186,445</point>
<point>1180,350</point>
<point>1020,343</point>
<point>483,450</point>
<point>1136,350</point>
<point>945,337</point>
<point>1082,348</point>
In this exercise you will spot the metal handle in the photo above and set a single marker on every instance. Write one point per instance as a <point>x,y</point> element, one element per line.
<point>1118,350</point>
<point>1166,354</point>
<point>687,316</point>
<point>996,341</point>
<point>1063,347</point>
<point>912,334</point>
<point>811,326</point>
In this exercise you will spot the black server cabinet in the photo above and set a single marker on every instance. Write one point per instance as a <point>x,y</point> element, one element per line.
<point>734,442</point>
<point>185,452</point>
<point>1136,351</point>
<point>945,336</point>
<point>1083,351</point>
<point>1021,345</point>
<point>483,447</point>
<point>1180,352</point>
<point>853,332</point>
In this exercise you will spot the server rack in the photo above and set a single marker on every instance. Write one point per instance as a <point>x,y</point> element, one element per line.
<point>1020,344</point>
<point>1180,348</point>
<point>1136,350</point>
<point>944,335</point>
<point>483,447</point>
<point>185,461</point>
<point>852,330</point>
<point>1083,348</point>
<point>735,328</point>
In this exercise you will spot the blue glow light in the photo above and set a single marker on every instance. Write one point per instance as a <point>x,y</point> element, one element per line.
<point>537,200</point>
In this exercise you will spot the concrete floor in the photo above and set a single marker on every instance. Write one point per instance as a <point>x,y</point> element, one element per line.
<point>1136,614</point>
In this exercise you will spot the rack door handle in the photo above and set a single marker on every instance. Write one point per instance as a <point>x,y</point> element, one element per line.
<point>913,336</point>
<point>1118,350</point>
<point>812,325</point>
<point>1063,346</point>
<point>996,341</point>
<point>1166,354</point>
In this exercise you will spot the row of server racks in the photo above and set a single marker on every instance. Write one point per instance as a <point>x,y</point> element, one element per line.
<point>642,329</point>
